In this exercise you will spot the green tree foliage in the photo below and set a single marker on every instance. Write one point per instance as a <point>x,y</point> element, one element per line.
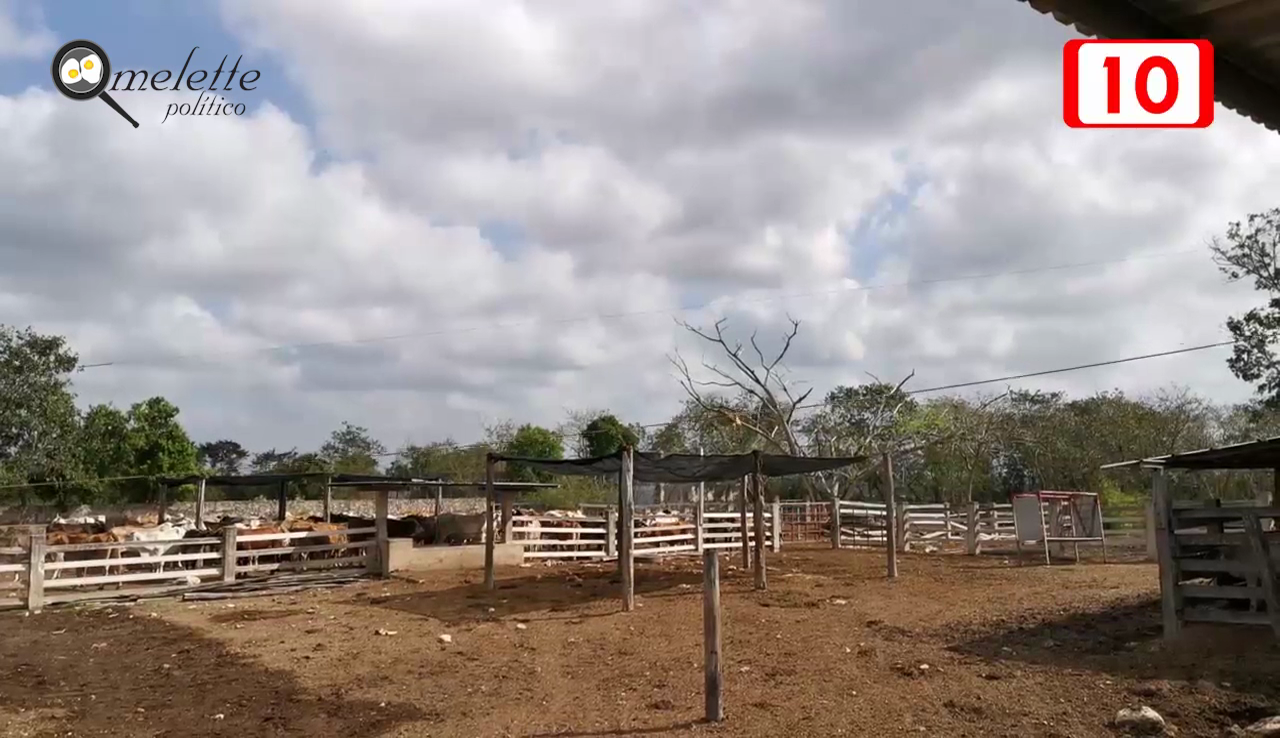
<point>445,460</point>
<point>1251,250</point>
<point>38,418</point>
<point>351,450</point>
<point>532,442</point>
<point>606,435</point>
<point>224,457</point>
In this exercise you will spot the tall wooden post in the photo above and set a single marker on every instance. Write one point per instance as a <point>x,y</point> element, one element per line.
<point>439,499</point>
<point>1170,597</point>
<point>611,532</point>
<point>328,498</point>
<point>200,504</point>
<point>891,514</point>
<point>660,489</point>
<point>744,528</point>
<point>490,582</point>
<point>626,548</point>
<point>775,528</point>
<point>971,529</point>
<point>382,542</point>
<point>713,681</point>
<point>229,553</point>
<point>835,521</point>
<point>699,529</point>
<point>162,501</point>
<point>282,502</point>
<point>508,516</point>
<point>35,570</point>
<point>757,512</point>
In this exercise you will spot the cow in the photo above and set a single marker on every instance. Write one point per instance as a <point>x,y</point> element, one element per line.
<point>252,546</point>
<point>62,538</point>
<point>336,537</point>
<point>456,530</point>
<point>149,534</point>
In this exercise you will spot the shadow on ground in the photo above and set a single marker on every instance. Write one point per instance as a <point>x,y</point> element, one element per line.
<point>553,593</point>
<point>114,672</point>
<point>1125,641</point>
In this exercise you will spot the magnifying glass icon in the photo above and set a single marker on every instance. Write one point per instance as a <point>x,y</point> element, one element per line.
<point>81,70</point>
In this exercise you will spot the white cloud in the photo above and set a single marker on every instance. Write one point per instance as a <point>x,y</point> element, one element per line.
<point>23,36</point>
<point>762,157</point>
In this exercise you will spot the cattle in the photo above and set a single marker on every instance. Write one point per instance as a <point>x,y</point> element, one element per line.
<point>253,546</point>
<point>64,538</point>
<point>456,530</point>
<point>15,543</point>
<point>151,535</point>
<point>336,537</point>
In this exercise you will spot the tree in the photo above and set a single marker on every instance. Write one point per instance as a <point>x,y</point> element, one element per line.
<point>1252,250</point>
<point>443,459</point>
<point>533,442</point>
<point>606,435</point>
<point>351,450</point>
<point>158,445</point>
<point>224,457</point>
<point>38,416</point>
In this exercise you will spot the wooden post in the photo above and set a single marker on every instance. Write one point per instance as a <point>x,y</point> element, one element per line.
<point>903,543</point>
<point>489,581</point>
<point>776,529</point>
<point>1170,597</point>
<point>1266,567</point>
<point>626,510</point>
<point>200,504</point>
<point>699,532</point>
<point>660,489</point>
<point>382,543</point>
<point>35,570</point>
<point>162,501</point>
<point>1266,498</point>
<point>439,499</point>
<point>890,512</point>
<point>507,522</point>
<point>328,498</point>
<point>611,532</point>
<point>744,528</point>
<point>1149,532</point>
<point>757,514</point>
<point>971,530</point>
<point>229,554</point>
<point>713,682</point>
<point>282,502</point>
<point>835,522</point>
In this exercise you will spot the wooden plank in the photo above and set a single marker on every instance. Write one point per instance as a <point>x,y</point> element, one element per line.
<point>580,554</point>
<point>356,562</point>
<point>299,534</point>
<point>229,554</point>
<point>1215,592</point>
<point>149,576</point>
<point>712,644</point>
<point>1266,568</point>
<point>1227,512</point>
<point>286,550</point>
<point>1216,566</point>
<point>200,504</point>
<point>78,547</point>
<point>114,561</point>
<point>35,573</point>
<point>1234,538</point>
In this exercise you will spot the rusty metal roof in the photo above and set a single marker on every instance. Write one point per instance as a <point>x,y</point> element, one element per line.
<point>1261,454</point>
<point>1245,35</point>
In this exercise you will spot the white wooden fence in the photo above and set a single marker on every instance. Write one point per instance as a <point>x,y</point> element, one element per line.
<point>36,573</point>
<point>682,530</point>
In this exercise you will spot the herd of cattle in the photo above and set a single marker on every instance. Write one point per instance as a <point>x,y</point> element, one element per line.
<point>114,549</point>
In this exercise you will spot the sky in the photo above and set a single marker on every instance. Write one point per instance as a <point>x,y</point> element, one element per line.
<point>439,215</point>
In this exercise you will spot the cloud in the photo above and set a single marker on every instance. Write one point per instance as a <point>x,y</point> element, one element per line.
<point>24,36</point>
<point>516,199</point>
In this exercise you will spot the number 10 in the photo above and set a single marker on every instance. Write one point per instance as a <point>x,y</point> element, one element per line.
<point>1112,63</point>
<point>1137,83</point>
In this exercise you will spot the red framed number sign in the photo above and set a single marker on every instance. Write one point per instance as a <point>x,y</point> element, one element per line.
<point>1127,83</point>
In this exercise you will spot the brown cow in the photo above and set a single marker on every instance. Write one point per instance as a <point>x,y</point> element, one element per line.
<point>252,546</point>
<point>62,538</point>
<point>335,538</point>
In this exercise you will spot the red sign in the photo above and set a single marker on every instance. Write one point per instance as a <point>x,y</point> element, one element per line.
<point>1137,83</point>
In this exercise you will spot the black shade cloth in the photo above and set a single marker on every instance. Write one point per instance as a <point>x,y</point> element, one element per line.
<point>677,468</point>
<point>260,480</point>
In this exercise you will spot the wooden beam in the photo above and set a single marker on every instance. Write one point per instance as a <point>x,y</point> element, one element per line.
<point>891,514</point>
<point>713,677</point>
<point>1266,569</point>
<point>162,501</point>
<point>835,521</point>
<point>200,504</point>
<point>507,522</point>
<point>439,499</point>
<point>626,511</point>
<point>282,502</point>
<point>490,581</point>
<point>229,553</point>
<point>757,513</point>
<point>328,498</point>
<point>35,570</point>
<point>1170,597</point>
<point>382,545</point>
<point>744,527</point>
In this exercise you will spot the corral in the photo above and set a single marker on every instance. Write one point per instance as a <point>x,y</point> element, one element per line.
<point>958,645</point>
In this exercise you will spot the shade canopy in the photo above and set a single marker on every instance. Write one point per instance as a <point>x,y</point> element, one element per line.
<point>1260,454</point>
<point>687,468</point>
<point>262,480</point>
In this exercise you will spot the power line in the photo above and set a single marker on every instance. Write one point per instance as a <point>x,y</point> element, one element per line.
<point>193,359</point>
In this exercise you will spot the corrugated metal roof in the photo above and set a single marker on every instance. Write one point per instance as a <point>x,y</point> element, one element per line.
<point>1260,454</point>
<point>1245,35</point>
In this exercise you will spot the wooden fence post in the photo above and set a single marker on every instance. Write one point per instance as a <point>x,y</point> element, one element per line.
<point>282,502</point>
<point>611,532</point>
<point>35,570</point>
<point>328,498</point>
<point>713,682</point>
<point>890,511</point>
<point>162,501</point>
<point>200,504</point>
<point>626,510</point>
<point>744,529</point>
<point>699,522</point>
<point>1149,532</point>
<point>1170,599</point>
<point>776,529</point>
<point>507,517</point>
<point>757,513</point>
<point>835,522</point>
<point>382,544</point>
<point>902,520</point>
<point>971,529</point>
<point>489,581</point>
<point>229,553</point>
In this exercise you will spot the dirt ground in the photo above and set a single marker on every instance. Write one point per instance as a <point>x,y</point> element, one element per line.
<point>957,646</point>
